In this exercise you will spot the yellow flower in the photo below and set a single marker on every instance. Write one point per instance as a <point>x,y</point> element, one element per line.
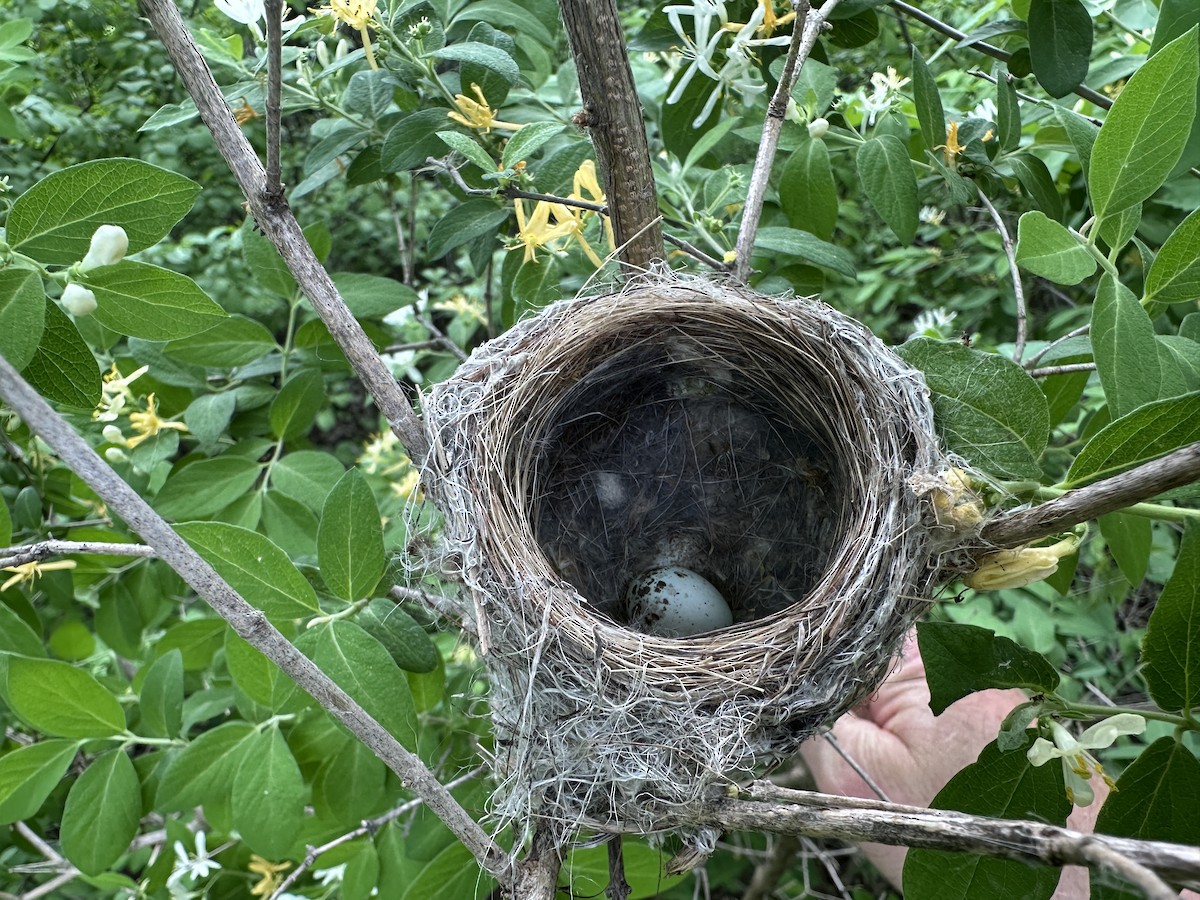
<point>244,113</point>
<point>147,424</point>
<point>270,875</point>
<point>359,15</point>
<point>477,114</point>
<point>1020,566</point>
<point>409,486</point>
<point>955,503</point>
<point>536,230</point>
<point>461,306</point>
<point>115,393</point>
<point>27,572</point>
<point>772,21</point>
<point>952,148</point>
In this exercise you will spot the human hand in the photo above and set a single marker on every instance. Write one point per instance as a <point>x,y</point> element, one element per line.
<point>911,754</point>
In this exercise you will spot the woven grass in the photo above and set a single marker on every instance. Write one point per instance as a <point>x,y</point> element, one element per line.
<point>768,444</point>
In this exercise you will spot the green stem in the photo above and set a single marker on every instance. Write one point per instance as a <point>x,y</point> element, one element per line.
<point>130,738</point>
<point>1145,510</point>
<point>350,610</point>
<point>1103,712</point>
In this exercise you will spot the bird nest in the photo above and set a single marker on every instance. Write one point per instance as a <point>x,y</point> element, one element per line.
<point>767,445</point>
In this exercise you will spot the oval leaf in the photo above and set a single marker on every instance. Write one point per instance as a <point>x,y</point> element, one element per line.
<point>57,698</point>
<point>887,177</point>
<point>806,247</point>
<point>1146,433</point>
<point>1060,44</point>
<point>807,191</point>
<point>64,369</point>
<point>1171,650</point>
<point>162,696</point>
<point>152,303</point>
<point>464,223</point>
<point>22,315</point>
<point>491,58</point>
<point>1156,797</point>
<point>268,796</point>
<point>206,486</point>
<point>1174,276</point>
<point>1048,249</point>
<point>29,774</point>
<point>102,813</point>
<point>350,539</point>
<point>1126,352</point>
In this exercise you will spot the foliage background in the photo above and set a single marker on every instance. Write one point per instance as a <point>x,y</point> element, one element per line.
<point>137,722</point>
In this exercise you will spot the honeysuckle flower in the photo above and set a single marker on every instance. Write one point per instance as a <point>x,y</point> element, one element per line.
<point>331,876</point>
<point>1020,566</point>
<point>78,300</point>
<point>535,230</point>
<point>27,573</point>
<point>934,323</point>
<point>985,110</point>
<point>245,12</point>
<point>818,128</point>
<point>113,434</point>
<point>108,246</point>
<point>931,215</point>
<point>770,20</point>
<point>885,90</point>
<point>357,14</point>
<point>115,393</point>
<point>147,424</point>
<point>270,873</point>
<point>477,114</point>
<point>1078,764</point>
<point>952,148</point>
<point>955,502</point>
<point>201,866</point>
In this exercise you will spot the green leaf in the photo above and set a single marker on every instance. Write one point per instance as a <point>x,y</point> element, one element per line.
<point>370,93</point>
<point>929,103</point>
<point>1060,44</point>
<point>102,813</point>
<point>289,524</point>
<point>145,301</point>
<point>162,696</point>
<point>362,667</point>
<point>1129,540</point>
<point>451,875</point>
<point>1008,110</point>
<point>962,659</point>
<point>465,222</point>
<point>350,785</point>
<point>58,699</point>
<point>203,771</point>
<point>15,635</point>
<point>887,177</point>
<point>491,58</point>
<point>807,191</point>
<point>1174,276</point>
<point>350,539</point>
<point>807,247</point>
<point>1171,650</point>
<point>527,140</point>
<point>399,632</point>
<point>413,139</point>
<point>1048,249</point>
<point>1003,785</point>
<point>259,678</point>
<point>1081,133</point>
<point>1036,182</point>
<point>197,640</point>
<point>55,219</point>
<point>307,476</point>
<point>297,404</point>
<point>1156,797</point>
<point>64,369</point>
<point>1125,349</point>
<point>373,296</point>
<point>266,265</point>
<point>1146,433</point>
<point>586,872</point>
<point>709,140</point>
<point>230,343</point>
<point>209,415</point>
<point>985,407</point>
<point>1118,230</point>
<point>468,148</point>
<point>506,14</point>
<point>268,796</point>
<point>28,775</point>
<point>254,567</point>
<point>22,315</point>
<point>1144,133</point>
<point>206,486</point>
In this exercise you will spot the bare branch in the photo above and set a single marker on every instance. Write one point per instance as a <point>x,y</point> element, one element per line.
<point>247,621</point>
<point>612,114</point>
<point>274,11</point>
<point>1062,370</point>
<point>1148,480</point>
<point>19,555</point>
<point>1018,289</point>
<point>512,192</point>
<point>692,250</point>
<point>618,887</point>
<point>272,214</point>
<point>767,874</point>
<point>1037,357</point>
<point>805,30</point>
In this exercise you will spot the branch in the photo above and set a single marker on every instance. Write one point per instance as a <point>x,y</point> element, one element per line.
<point>1018,289</point>
<point>1047,371</point>
<point>763,806</point>
<point>20,555</point>
<point>1147,480</point>
<point>247,621</point>
<point>274,11</point>
<point>272,214</point>
<point>612,114</point>
<point>805,30</point>
<point>987,49</point>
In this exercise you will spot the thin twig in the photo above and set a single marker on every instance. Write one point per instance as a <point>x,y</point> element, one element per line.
<point>1047,371</point>
<point>19,555</point>
<point>51,887</point>
<point>1142,878</point>
<point>512,192</point>
<point>853,763</point>
<point>406,262</point>
<point>805,31</point>
<point>274,11</point>
<point>1082,504</point>
<point>1018,289</point>
<point>767,874</point>
<point>1037,357</point>
<point>987,49</point>
<point>248,622</point>
<point>979,73</point>
<point>40,845</point>
<point>278,223</point>
<point>458,352</point>
<point>696,252</point>
<point>368,827</point>
<point>618,887</point>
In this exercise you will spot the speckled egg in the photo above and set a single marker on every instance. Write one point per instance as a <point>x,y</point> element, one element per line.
<point>672,601</point>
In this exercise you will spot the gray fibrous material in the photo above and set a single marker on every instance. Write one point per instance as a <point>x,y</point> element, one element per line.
<point>770,446</point>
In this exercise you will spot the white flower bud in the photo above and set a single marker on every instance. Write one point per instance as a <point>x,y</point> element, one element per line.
<point>342,48</point>
<point>818,128</point>
<point>116,455</point>
<point>78,300</point>
<point>323,53</point>
<point>109,245</point>
<point>113,434</point>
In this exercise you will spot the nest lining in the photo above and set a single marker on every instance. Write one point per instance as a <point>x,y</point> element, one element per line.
<point>765,443</point>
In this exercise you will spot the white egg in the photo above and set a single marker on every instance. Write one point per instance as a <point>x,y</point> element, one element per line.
<point>672,601</point>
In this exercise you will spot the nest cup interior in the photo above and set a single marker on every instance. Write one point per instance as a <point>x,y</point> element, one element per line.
<point>687,445</point>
